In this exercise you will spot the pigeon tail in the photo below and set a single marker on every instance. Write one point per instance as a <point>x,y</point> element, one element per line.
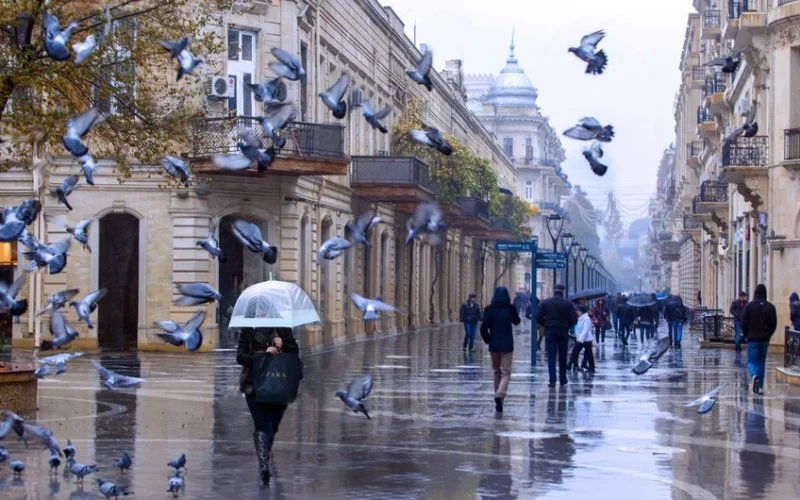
<point>428,84</point>
<point>62,198</point>
<point>341,110</point>
<point>74,146</point>
<point>598,63</point>
<point>364,411</point>
<point>706,406</point>
<point>445,149</point>
<point>642,367</point>
<point>607,134</point>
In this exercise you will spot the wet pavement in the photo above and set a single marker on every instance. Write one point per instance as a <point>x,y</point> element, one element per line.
<point>434,432</point>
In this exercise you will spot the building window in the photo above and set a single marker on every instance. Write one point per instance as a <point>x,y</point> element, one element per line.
<point>529,190</point>
<point>241,68</point>
<point>508,146</point>
<point>117,76</point>
<point>528,149</point>
<point>303,85</point>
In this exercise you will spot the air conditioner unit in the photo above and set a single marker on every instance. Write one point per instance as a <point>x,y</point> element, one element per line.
<point>221,87</point>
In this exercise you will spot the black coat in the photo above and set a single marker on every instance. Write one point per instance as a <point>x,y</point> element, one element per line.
<point>675,311</point>
<point>257,340</point>
<point>557,313</point>
<point>626,314</point>
<point>498,319</point>
<point>470,313</point>
<point>759,318</point>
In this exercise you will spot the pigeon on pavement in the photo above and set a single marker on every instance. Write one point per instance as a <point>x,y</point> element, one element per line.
<point>124,462</point>
<point>589,129</point>
<point>706,402</point>
<point>249,235</point>
<point>188,335</point>
<point>113,379</point>
<point>109,489</point>
<point>332,248</point>
<point>432,137</point>
<point>88,305</point>
<point>176,485</point>
<point>371,307</point>
<point>288,66</point>
<point>69,450</point>
<point>58,300</point>
<point>587,52</point>
<point>56,40</point>
<point>421,74</point>
<point>62,333</point>
<point>593,155</point>
<point>211,245</point>
<point>178,463</point>
<point>357,391</point>
<point>80,470</point>
<point>17,467</point>
<point>333,98</point>
<point>54,461</point>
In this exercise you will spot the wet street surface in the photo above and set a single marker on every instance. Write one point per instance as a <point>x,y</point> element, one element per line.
<point>434,432</point>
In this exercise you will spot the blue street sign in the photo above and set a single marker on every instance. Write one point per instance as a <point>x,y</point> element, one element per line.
<point>551,256</point>
<point>513,246</point>
<point>551,264</point>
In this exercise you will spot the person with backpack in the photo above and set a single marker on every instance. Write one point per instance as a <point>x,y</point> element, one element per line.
<point>759,322</point>
<point>470,315</point>
<point>497,330</point>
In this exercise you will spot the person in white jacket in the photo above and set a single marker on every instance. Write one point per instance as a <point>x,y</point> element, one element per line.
<point>584,335</point>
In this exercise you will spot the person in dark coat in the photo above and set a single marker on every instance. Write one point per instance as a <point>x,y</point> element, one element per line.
<point>599,315</point>
<point>736,310</point>
<point>645,320</point>
<point>529,317</point>
<point>613,304</point>
<point>626,316</point>
<point>266,416</point>
<point>497,325</point>
<point>759,322</point>
<point>794,311</point>
<point>470,315</point>
<point>557,315</point>
<point>670,311</point>
<point>679,317</point>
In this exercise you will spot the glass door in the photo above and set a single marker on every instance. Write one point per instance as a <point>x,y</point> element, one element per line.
<point>241,69</point>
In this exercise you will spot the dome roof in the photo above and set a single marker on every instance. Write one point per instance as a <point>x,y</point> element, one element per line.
<point>512,85</point>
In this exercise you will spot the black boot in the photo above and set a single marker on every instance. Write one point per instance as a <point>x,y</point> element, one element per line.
<point>262,452</point>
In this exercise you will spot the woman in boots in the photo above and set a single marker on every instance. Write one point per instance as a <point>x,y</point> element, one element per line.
<point>266,416</point>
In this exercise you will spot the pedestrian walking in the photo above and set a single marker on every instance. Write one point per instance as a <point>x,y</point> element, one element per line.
<point>256,342</point>
<point>557,315</point>
<point>529,317</point>
<point>759,322</point>
<point>613,305</point>
<point>583,341</point>
<point>626,315</point>
<point>794,311</point>
<point>680,315</point>
<point>670,310</point>
<point>470,315</point>
<point>644,321</point>
<point>497,330</point>
<point>736,310</point>
<point>599,317</point>
<point>521,301</point>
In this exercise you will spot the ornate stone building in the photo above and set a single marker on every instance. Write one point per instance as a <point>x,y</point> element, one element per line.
<point>506,105</point>
<point>143,237</point>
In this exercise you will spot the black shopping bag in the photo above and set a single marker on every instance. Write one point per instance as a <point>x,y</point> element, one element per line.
<point>277,378</point>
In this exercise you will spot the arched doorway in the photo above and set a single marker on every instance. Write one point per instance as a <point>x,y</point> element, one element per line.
<point>118,265</point>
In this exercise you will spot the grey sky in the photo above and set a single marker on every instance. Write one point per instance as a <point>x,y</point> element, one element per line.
<point>643,41</point>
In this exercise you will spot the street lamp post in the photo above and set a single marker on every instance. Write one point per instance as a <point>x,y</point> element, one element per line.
<point>583,253</point>
<point>574,250</point>
<point>555,223</point>
<point>566,247</point>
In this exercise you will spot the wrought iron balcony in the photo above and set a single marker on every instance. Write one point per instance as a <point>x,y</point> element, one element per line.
<point>699,73</point>
<point>696,205</point>
<point>690,224</point>
<point>791,144</point>
<point>475,209</point>
<point>695,149</point>
<point>746,152</point>
<point>711,24</point>
<point>715,84</point>
<point>397,179</point>
<point>713,192</point>
<point>670,251</point>
<point>703,115</point>
<point>310,148</point>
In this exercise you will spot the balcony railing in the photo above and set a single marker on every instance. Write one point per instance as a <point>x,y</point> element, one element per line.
<point>699,73</point>
<point>665,236</point>
<point>544,162</point>
<point>695,148</point>
<point>715,84</point>
<point>696,205</point>
<point>784,2</point>
<point>791,349</point>
<point>737,7</point>
<point>746,152</point>
<point>711,19</point>
<point>791,144</point>
<point>548,205</point>
<point>690,224</point>
<point>312,140</point>
<point>703,115</point>
<point>390,170</point>
<point>474,207</point>
<point>713,192</point>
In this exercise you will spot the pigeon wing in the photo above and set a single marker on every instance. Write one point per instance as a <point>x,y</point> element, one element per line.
<point>366,108</point>
<point>286,58</point>
<point>194,322</point>
<point>15,287</point>
<point>590,123</point>
<point>359,301</point>
<point>93,297</point>
<point>596,149</point>
<point>719,61</point>
<point>196,290</point>
<point>715,391</point>
<point>104,372</point>
<point>736,53</point>
<point>425,63</point>
<point>82,225</point>
<point>590,41</point>
<point>364,221</point>
<point>580,134</point>
<point>282,117</point>
<point>434,134</point>
<point>383,113</point>
<point>80,124</point>
<point>248,137</point>
<point>168,326</point>
<point>236,161</point>
<point>339,88</point>
<point>58,324</point>
<point>360,388</point>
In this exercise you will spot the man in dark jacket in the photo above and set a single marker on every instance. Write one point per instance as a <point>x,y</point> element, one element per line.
<point>557,315</point>
<point>626,315</point>
<point>736,310</point>
<point>613,304</point>
<point>496,326</point>
<point>670,314</point>
<point>529,317</point>
<point>759,321</point>
<point>794,311</point>
<point>470,315</point>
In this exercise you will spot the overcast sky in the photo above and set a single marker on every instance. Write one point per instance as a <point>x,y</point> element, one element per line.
<point>635,94</point>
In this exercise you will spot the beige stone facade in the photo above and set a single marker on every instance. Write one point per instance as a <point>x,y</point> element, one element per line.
<point>155,228</point>
<point>738,204</point>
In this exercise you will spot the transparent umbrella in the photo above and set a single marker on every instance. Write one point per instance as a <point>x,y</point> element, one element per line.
<point>275,304</point>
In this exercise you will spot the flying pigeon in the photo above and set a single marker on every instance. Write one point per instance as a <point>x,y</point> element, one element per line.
<point>749,128</point>
<point>593,155</point>
<point>371,307</point>
<point>69,450</point>
<point>58,300</point>
<point>42,434</point>
<point>249,152</point>
<point>176,485</point>
<point>62,333</point>
<point>651,355</point>
<point>65,189</point>
<point>332,248</point>
<point>113,379</point>
<point>42,371</point>
<point>8,297</point>
<point>81,232</point>
<point>176,167</point>
<point>189,335</point>
<point>589,129</point>
<point>706,402</point>
<point>52,256</point>
<point>175,48</point>
<point>729,63</point>
<point>84,49</point>
<point>54,461</point>
<point>249,235</point>
<point>271,92</point>
<point>14,219</point>
<point>178,50</point>
<point>4,454</point>
<point>124,462</point>
<point>109,489</point>
<point>288,66</point>
<point>193,294</point>
<point>588,53</point>
<point>56,39</point>
<point>17,467</point>
<point>373,117</point>
<point>80,470</point>
<point>427,219</point>
<point>431,137</point>
<point>356,392</point>
<point>358,230</point>
<point>60,360</point>
<point>420,74</point>
<point>88,305</point>
<point>12,421</point>
<point>333,98</point>
<point>178,463</point>
<point>30,241</point>
<point>88,167</point>
<point>211,245</point>
<point>77,127</point>
<point>276,122</point>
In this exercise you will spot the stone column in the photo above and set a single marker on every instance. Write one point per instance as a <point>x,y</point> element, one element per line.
<point>752,220</point>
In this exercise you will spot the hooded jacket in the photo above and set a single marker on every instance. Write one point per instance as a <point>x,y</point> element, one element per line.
<point>497,322</point>
<point>794,311</point>
<point>759,318</point>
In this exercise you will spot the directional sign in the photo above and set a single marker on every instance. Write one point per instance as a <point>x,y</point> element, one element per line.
<point>550,256</point>
<point>513,246</point>
<point>551,264</point>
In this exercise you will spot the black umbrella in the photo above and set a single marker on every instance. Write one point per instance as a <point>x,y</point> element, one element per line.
<point>591,294</point>
<point>641,300</point>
